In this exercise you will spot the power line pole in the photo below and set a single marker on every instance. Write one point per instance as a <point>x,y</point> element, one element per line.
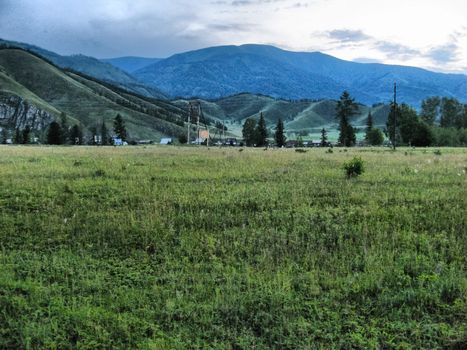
<point>395,116</point>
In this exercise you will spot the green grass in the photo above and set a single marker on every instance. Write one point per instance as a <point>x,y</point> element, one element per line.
<point>176,248</point>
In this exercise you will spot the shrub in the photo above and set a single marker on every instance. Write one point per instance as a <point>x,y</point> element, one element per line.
<point>354,167</point>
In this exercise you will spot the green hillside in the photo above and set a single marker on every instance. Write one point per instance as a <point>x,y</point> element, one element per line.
<point>299,116</point>
<point>85,100</point>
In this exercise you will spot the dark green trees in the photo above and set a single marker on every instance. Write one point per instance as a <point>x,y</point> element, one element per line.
<point>249,132</point>
<point>76,135</point>
<point>373,136</point>
<point>26,135</point>
<point>261,132</point>
<point>54,134</point>
<point>279,135</point>
<point>104,134</point>
<point>255,134</point>
<point>324,138</point>
<point>410,129</point>
<point>4,136</point>
<point>119,128</point>
<point>430,110</point>
<point>345,109</point>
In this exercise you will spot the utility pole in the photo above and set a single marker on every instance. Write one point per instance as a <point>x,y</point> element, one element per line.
<point>223,130</point>
<point>395,116</point>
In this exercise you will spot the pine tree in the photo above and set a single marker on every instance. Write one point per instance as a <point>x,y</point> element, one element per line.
<point>345,109</point>
<point>26,135</point>
<point>4,136</point>
<point>279,136</point>
<point>261,132</point>
<point>76,135</point>
<point>65,129</point>
<point>324,138</point>
<point>119,128</point>
<point>249,132</point>
<point>369,126</point>
<point>18,139</point>
<point>104,134</point>
<point>54,134</point>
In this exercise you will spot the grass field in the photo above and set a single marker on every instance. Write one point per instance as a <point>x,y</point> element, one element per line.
<point>185,248</point>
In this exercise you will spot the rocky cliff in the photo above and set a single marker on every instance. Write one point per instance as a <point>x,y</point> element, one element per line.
<point>16,112</point>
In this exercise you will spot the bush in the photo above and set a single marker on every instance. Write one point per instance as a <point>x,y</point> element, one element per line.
<point>354,167</point>
<point>375,137</point>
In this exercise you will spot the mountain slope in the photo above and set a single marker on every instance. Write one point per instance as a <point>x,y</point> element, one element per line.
<point>131,64</point>
<point>82,99</point>
<point>300,116</point>
<point>222,71</point>
<point>92,67</point>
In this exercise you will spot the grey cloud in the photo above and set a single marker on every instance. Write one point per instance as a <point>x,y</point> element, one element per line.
<point>395,49</point>
<point>347,35</point>
<point>444,54</point>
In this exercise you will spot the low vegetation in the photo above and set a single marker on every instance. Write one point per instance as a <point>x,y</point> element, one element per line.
<point>176,248</point>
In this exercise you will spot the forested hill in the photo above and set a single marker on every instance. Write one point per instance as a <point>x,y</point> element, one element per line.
<point>83,99</point>
<point>222,71</point>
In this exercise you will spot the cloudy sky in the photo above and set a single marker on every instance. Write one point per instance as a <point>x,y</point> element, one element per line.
<point>425,33</point>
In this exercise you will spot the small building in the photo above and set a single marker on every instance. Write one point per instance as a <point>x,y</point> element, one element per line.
<point>166,141</point>
<point>119,142</point>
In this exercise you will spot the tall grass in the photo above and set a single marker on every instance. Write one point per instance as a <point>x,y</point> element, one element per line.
<point>175,248</point>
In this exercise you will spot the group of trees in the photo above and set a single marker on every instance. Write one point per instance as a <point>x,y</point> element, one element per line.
<point>441,122</point>
<point>62,134</point>
<point>255,133</point>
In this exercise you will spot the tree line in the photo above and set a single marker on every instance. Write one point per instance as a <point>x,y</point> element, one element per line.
<point>442,121</point>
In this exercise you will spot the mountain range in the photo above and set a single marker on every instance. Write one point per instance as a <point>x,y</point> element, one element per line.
<point>222,71</point>
<point>37,86</point>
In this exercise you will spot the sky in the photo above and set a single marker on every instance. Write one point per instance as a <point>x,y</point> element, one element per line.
<point>426,33</point>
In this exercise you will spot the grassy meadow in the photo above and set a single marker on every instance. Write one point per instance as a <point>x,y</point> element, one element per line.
<point>190,248</point>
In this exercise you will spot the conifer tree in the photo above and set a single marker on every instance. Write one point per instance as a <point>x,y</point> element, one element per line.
<point>54,134</point>
<point>249,132</point>
<point>104,134</point>
<point>279,136</point>
<point>345,109</point>
<point>119,128</point>
<point>261,132</point>
<point>324,138</point>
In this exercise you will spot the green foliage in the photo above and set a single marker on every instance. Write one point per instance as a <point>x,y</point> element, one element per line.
<point>279,135</point>
<point>430,110</point>
<point>105,138</point>
<point>345,109</point>
<point>354,167</point>
<point>249,132</point>
<point>410,129</point>
<point>261,132</point>
<point>76,135</point>
<point>450,137</point>
<point>4,136</point>
<point>119,128</point>
<point>26,135</point>
<point>375,137</point>
<point>180,248</point>
<point>54,134</point>
<point>324,138</point>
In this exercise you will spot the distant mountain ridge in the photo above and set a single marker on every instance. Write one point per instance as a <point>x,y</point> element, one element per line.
<point>92,67</point>
<point>226,70</point>
<point>131,64</point>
